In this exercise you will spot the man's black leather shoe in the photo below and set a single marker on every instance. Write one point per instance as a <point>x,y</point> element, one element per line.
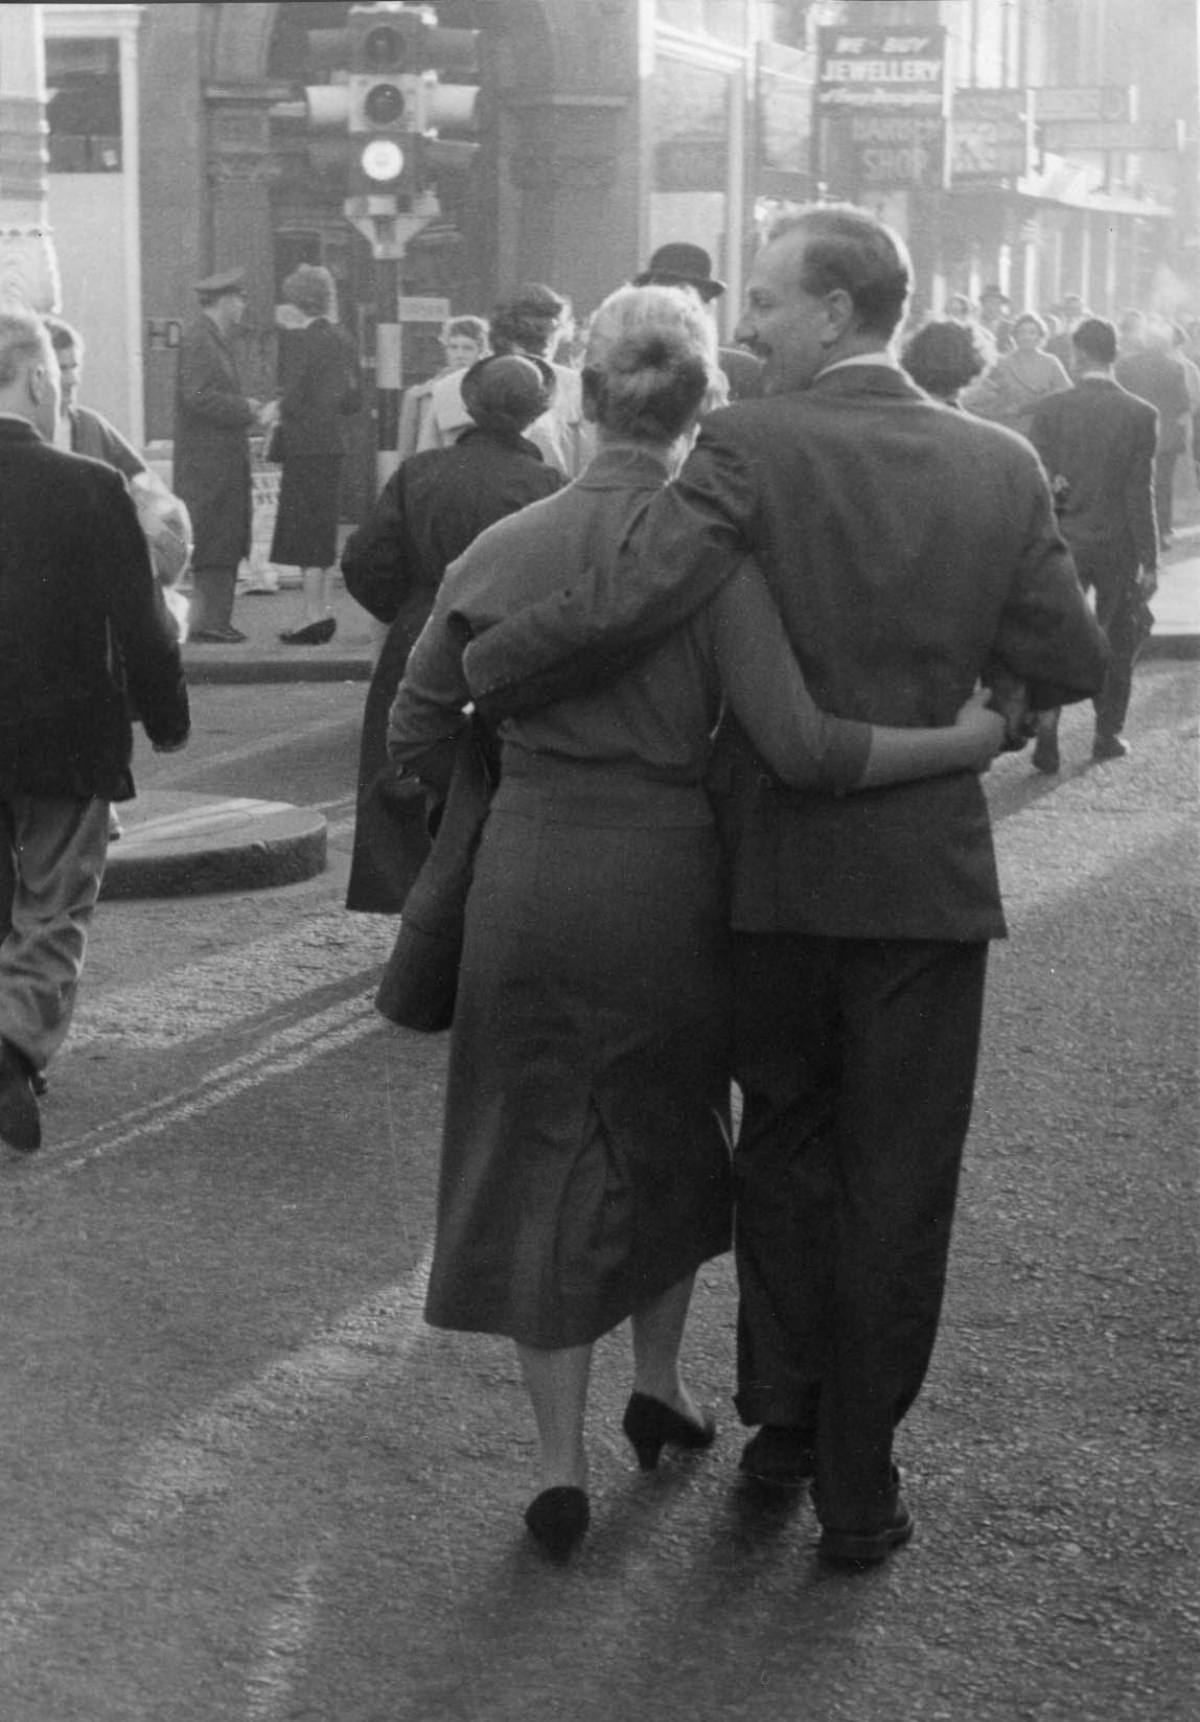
<point>1109,747</point>
<point>20,1120</point>
<point>779,1456</point>
<point>867,1548</point>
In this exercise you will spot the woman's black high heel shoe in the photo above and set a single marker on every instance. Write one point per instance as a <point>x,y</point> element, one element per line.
<point>651,1426</point>
<point>313,634</point>
<point>558,1520</point>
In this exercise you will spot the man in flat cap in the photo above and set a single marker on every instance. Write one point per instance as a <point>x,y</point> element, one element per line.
<point>213,416</point>
<point>682,264</point>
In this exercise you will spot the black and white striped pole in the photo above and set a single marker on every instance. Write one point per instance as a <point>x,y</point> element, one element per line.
<point>389,368</point>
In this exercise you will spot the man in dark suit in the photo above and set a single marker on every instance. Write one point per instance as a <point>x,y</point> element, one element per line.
<point>1150,370</point>
<point>83,634</point>
<point>910,549</point>
<point>1097,443</point>
<point>213,416</point>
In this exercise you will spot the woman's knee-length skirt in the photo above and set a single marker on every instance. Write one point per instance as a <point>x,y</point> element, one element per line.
<point>585,1161</point>
<point>306,524</point>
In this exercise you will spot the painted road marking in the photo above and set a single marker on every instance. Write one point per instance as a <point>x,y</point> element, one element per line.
<point>211,995</point>
<point>312,1037</point>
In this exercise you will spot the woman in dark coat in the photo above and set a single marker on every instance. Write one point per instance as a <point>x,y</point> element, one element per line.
<point>318,375</point>
<point>585,1157</point>
<point>427,514</point>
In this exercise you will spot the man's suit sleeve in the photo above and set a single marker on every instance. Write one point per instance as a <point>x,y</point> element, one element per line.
<point>676,554</point>
<point>1139,489</point>
<point>143,631</point>
<point>1047,635</point>
<point>1043,434</point>
<point>204,385</point>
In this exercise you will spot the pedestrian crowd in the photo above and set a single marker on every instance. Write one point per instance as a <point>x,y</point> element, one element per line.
<point>691,660</point>
<point>1110,409</point>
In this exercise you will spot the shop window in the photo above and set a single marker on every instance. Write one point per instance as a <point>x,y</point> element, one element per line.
<point>83,108</point>
<point>723,20</point>
<point>690,127</point>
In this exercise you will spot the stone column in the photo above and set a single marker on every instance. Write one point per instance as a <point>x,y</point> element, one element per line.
<point>572,162</point>
<point>28,269</point>
<point>241,171</point>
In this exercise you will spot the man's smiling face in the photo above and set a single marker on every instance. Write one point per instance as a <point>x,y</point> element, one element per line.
<point>789,329</point>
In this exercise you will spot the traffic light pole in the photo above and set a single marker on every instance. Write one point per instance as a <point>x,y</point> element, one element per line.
<point>389,371</point>
<point>389,234</point>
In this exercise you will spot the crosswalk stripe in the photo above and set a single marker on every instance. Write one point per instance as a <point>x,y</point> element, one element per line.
<point>313,1037</point>
<point>329,946</point>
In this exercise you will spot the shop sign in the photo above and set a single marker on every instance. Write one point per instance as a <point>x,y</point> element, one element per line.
<point>1070,137</point>
<point>904,70</point>
<point>1113,103</point>
<point>991,134</point>
<point>896,149</point>
<point>414,309</point>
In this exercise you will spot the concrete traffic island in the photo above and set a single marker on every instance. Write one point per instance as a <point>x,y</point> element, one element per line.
<point>176,845</point>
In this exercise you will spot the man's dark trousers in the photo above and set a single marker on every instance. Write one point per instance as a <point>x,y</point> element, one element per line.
<point>1113,578</point>
<point>856,1059</point>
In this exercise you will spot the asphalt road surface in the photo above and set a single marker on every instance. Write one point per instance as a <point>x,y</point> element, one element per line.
<point>240,1480</point>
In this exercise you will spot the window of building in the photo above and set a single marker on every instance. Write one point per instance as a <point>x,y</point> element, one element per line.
<point>83,109</point>
<point>690,129</point>
<point>723,20</point>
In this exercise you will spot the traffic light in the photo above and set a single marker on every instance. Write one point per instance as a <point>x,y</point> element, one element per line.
<point>405,124</point>
<point>384,102</point>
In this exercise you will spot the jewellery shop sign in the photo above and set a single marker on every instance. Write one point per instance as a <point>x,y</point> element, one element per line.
<point>881,101</point>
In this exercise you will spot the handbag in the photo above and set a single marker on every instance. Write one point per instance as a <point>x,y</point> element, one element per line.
<point>274,448</point>
<point>419,984</point>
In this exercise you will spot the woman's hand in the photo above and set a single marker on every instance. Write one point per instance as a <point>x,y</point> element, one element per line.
<point>985,729</point>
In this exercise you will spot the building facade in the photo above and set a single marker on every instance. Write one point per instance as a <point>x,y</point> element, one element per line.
<point>607,127</point>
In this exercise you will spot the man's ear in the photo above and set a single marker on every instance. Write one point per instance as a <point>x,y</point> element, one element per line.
<point>839,316</point>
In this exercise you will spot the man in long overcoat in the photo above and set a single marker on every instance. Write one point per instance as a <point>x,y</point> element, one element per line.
<point>437,503</point>
<point>213,416</point>
<point>84,636</point>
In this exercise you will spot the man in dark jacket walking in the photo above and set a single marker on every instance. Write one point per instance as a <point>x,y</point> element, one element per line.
<point>213,416</point>
<point>1097,442</point>
<point>83,634</point>
<point>1147,368</point>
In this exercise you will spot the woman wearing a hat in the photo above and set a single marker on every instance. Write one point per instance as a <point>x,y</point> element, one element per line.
<point>319,378</point>
<point>431,508</point>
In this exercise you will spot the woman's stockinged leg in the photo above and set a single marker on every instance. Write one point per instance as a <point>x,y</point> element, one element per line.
<point>657,1336</point>
<point>557,1384</point>
<point>317,583</point>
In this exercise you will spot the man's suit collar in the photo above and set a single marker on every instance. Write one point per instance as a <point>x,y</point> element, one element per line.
<point>15,429</point>
<point>882,378</point>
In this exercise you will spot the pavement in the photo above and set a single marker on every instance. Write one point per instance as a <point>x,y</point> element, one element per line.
<point>180,844</point>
